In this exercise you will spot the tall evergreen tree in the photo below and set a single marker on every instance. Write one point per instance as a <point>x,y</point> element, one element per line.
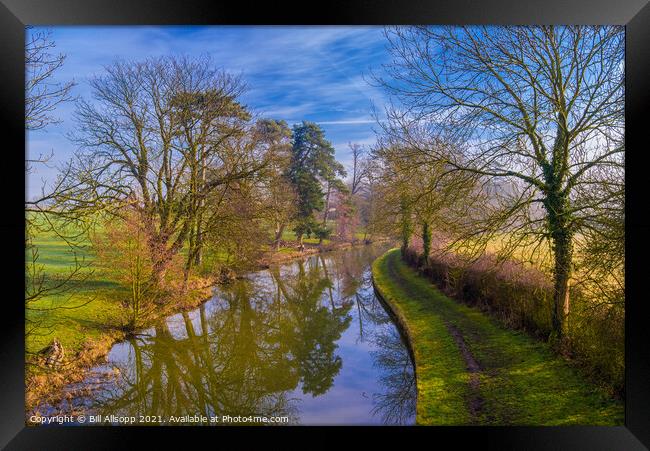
<point>312,164</point>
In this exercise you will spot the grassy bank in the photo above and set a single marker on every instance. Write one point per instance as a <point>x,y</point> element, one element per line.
<point>89,318</point>
<point>470,370</point>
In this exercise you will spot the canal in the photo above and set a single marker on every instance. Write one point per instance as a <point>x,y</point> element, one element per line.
<point>307,340</point>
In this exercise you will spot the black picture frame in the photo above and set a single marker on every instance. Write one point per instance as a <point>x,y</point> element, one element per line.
<point>634,14</point>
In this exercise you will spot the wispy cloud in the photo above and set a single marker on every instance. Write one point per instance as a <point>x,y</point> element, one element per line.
<point>349,122</point>
<point>293,73</point>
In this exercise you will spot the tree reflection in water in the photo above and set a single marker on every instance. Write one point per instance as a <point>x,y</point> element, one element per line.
<point>396,403</point>
<point>260,343</point>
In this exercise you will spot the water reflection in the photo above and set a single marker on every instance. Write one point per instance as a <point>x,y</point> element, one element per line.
<point>397,403</point>
<point>308,341</point>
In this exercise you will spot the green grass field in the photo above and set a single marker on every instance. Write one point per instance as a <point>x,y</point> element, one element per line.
<point>97,297</point>
<point>520,381</point>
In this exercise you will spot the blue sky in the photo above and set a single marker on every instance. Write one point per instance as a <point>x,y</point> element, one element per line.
<point>292,73</point>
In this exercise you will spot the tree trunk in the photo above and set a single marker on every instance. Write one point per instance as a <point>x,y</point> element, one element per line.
<point>426,242</point>
<point>327,209</point>
<point>405,219</point>
<point>563,250</point>
<point>557,206</point>
<point>279,229</point>
<point>190,259</point>
<point>198,257</point>
<point>161,257</point>
<point>198,253</point>
<point>186,274</point>
<point>158,273</point>
<point>327,204</point>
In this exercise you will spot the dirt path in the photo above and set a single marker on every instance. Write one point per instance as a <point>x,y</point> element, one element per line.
<point>475,400</point>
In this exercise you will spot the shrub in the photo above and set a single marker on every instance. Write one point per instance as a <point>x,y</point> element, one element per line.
<point>124,256</point>
<point>322,233</point>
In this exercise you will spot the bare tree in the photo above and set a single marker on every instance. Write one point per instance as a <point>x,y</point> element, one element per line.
<point>359,171</point>
<point>276,191</point>
<point>417,191</point>
<point>165,132</point>
<point>537,112</point>
<point>40,285</point>
<point>42,93</point>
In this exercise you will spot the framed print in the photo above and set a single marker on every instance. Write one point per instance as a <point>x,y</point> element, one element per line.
<point>415,219</point>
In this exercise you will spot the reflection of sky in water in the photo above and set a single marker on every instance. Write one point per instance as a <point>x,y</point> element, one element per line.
<point>363,391</point>
<point>350,400</point>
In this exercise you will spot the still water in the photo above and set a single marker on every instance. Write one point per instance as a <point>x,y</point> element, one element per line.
<point>307,340</point>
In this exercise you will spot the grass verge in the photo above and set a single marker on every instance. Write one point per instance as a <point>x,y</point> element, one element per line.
<point>520,380</point>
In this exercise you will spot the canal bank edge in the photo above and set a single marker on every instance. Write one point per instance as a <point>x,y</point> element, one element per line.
<point>397,315</point>
<point>397,310</point>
